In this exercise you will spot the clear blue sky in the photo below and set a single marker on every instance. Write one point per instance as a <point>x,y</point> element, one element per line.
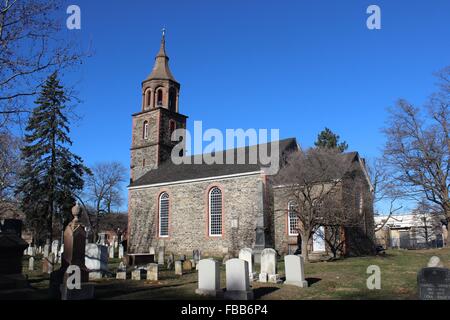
<point>297,65</point>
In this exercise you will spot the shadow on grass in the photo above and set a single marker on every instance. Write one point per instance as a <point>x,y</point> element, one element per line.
<point>312,281</point>
<point>262,291</point>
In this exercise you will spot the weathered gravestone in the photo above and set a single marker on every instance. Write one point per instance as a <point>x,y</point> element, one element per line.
<point>238,281</point>
<point>178,268</point>
<point>47,248</point>
<point>151,250</point>
<point>161,256</point>
<point>434,284</point>
<point>193,263</point>
<point>120,251</point>
<point>209,278</point>
<point>269,266</point>
<point>12,247</point>
<point>295,272</point>
<point>73,263</point>
<point>247,255</point>
<point>196,255</point>
<point>435,262</point>
<point>96,260</point>
<point>152,272</point>
<point>187,265</point>
<point>121,273</point>
<point>31,264</point>
<point>111,252</point>
<point>55,247</point>
<point>138,274</point>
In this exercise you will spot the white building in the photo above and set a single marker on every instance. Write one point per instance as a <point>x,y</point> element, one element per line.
<point>411,231</point>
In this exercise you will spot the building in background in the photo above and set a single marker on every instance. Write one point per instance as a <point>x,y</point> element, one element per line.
<point>411,231</point>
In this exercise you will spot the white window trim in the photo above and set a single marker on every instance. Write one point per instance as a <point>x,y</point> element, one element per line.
<point>289,221</point>
<point>159,216</point>
<point>209,213</point>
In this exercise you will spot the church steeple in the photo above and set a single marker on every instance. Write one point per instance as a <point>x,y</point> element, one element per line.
<point>159,116</point>
<point>161,70</point>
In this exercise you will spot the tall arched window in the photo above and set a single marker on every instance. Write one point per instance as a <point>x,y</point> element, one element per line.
<point>172,99</point>
<point>145,130</point>
<point>171,127</point>
<point>292,219</point>
<point>149,97</point>
<point>164,214</point>
<point>159,98</point>
<point>215,212</point>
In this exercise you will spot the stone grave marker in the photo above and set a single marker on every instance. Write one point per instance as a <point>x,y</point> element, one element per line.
<point>121,273</point>
<point>151,250</point>
<point>295,272</point>
<point>209,278</point>
<point>434,284</point>
<point>96,260</point>
<point>238,281</point>
<point>138,274</point>
<point>111,252</point>
<point>269,266</point>
<point>187,265</point>
<point>161,256</point>
<point>31,264</point>
<point>120,251</point>
<point>247,255</point>
<point>178,268</point>
<point>152,272</point>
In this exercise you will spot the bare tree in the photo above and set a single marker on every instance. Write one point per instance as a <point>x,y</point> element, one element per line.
<point>313,180</point>
<point>32,46</point>
<point>384,190</point>
<point>417,151</point>
<point>103,190</point>
<point>427,221</point>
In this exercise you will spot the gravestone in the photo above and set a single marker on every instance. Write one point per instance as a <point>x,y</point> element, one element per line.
<point>96,260</point>
<point>120,251</point>
<point>170,261</point>
<point>111,252</point>
<point>138,274</point>
<point>51,262</point>
<point>161,256</point>
<point>121,273</point>
<point>269,266</point>
<point>55,247</point>
<point>47,248</point>
<point>73,256</point>
<point>31,264</point>
<point>101,239</point>
<point>209,278</point>
<point>196,255</point>
<point>187,265</point>
<point>193,263</point>
<point>434,284</point>
<point>151,250</point>
<point>12,247</point>
<point>152,272</point>
<point>238,281</point>
<point>247,255</point>
<point>178,268</point>
<point>435,262</point>
<point>294,269</point>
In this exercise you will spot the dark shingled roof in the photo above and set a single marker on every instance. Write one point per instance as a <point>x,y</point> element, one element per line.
<point>170,172</point>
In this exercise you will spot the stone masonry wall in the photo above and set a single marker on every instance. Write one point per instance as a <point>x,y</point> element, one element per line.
<point>188,217</point>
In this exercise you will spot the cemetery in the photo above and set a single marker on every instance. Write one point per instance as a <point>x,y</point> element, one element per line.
<point>275,278</point>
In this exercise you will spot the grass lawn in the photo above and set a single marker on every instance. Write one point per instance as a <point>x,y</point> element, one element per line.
<point>343,279</point>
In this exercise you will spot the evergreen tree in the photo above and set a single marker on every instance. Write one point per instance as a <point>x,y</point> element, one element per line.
<point>51,174</point>
<point>328,139</point>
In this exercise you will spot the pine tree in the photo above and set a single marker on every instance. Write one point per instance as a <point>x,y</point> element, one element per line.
<point>51,174</point>
<point>328,139</point>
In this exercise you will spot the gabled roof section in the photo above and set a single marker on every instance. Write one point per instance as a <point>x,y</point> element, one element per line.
<point>169,172</point>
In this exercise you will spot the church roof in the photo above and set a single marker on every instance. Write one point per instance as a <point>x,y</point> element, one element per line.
<point>161,70</point>
<point>170,172</point>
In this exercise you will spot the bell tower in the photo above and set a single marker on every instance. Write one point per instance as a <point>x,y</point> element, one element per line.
<point>159,116</point>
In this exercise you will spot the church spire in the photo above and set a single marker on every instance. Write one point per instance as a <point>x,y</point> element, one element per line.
<point>161,70</point>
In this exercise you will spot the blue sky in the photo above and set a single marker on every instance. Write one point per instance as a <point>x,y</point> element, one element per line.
<point>297,65</point>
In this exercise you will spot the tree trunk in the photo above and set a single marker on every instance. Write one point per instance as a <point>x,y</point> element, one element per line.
<point>305,240</point>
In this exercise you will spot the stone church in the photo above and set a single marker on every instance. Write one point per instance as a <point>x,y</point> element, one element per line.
<point>216,208</point>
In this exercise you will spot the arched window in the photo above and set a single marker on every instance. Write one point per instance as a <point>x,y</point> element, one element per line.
<point>164,214</point>
<point>292,219</point>
<point>159,98</point>
<point>172,99</point>
<point>149,97</point>
<point>145,130</point>
<point>171,127</point>
<point>215,212</point>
